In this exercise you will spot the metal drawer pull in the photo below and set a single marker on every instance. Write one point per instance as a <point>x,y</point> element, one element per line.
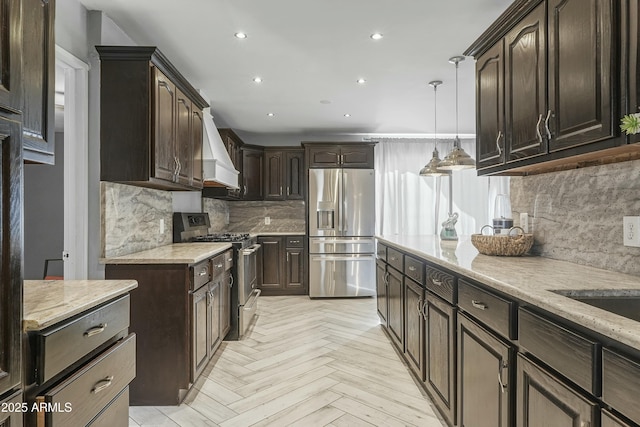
<point>424,310</point>
<point>498,143</point>
<point>105,383</point>
<point>95,330</point>
<point>412,268</point>
<point>230,259</point>
<point>479,305</point>
<point>393,258</point>
<point>436,282</point>
<point>294,241</point>
<point>419,307</point>
<point>231,281</point>
<point>503,386</point>
<point>219,265</point>
<point>203,272</point>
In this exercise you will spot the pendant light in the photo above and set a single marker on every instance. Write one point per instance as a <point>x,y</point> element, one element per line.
<point>457,159</point>
<point>433,167</point>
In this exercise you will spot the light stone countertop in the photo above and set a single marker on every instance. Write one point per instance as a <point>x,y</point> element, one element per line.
<point>47,302</point>
<point>531,279</point>
<point>278,233</point>
<point>177,253</point>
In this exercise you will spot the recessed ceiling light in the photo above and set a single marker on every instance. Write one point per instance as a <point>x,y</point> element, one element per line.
<point>361,81</point>
<point>270,114</point>
<point>347,115</point>
<point>376,36</point>
<point>257,79</point>
<point>240,35</point>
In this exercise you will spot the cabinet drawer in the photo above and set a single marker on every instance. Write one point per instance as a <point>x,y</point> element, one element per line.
<point>62,345</point>
<point>414,269</point>
<point>570,354</point>
<point>200,274</point>
<point>621,383</point>
<point>394,258</point>
<point>492,310</point>
<point>228,260</point>
<point>381,251</point>
<point>295,241</point>
<point>90,389</point>
<point>441,283</point>
<point>116,413</point>
<point>217,265</point>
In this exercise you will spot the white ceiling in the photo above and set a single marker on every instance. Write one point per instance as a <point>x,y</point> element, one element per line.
<point>308,51</point>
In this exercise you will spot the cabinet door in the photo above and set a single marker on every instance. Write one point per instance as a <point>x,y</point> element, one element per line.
<point>183,139</point>
<point>414,326</point>
<point>11,260</point>
<point>213,315</point>
<point>324,157</point>
<point>381,292</point>
<point>525,86</point>
<point>38,79</point>
<point>8,416</point>
<point>294,174</point>
<point>580,72</point>
<point>274,174</point>
<point>484,377</point>
<point>225,303</point>
<point>440,355</point>
<point>252,174</point>
<point>196,146</point>
<point>632,37</point>
<point>10,57</point>
<point>272,262</point>
<point>490,107</point>
<point>396,317</point>
<point>295,277</point>
<point>545,401</point>
<point>356,157</point>
<point>164,108</point>
<point>199,340</point>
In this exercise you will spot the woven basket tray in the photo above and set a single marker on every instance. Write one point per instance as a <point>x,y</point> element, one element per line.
<point>502,245</point>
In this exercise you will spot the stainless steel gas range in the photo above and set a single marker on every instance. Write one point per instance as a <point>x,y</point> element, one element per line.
<point>194,227</point>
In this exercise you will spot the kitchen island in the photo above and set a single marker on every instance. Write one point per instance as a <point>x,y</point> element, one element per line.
<point>78,351</point>
<point>525,333</point>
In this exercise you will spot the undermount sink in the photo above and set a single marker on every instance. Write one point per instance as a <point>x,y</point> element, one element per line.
<point>625,302</point>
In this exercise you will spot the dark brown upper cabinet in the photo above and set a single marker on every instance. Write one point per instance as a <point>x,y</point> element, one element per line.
<point>340,155</point>
<point>553,65</point>
<point>38,74</point>
<point>151,121</point>
<point>10,57</point>
<point>284,174</point>
<point>252,171</point>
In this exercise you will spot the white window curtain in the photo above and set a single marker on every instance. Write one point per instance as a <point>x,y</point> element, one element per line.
<point>407,203</point>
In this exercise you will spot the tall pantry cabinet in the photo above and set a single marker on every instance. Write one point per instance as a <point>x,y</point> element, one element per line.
<point>26,123</point>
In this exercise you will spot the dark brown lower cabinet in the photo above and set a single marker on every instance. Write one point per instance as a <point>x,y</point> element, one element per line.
<point>283,265</point>
<point>396,318</point>
<point>414,326</point>
<point>542,400</point>
<point>225,303</point>
<point>11,418</point>
<point>199,319</point>
<point>440,355</point>
<point>485,373</point>
<point>381,292</point>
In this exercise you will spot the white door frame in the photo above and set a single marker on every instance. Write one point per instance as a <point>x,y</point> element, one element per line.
<point>76,137</point>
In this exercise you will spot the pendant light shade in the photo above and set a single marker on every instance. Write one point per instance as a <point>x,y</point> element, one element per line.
<point>433,167</point>
<point>457,159</point>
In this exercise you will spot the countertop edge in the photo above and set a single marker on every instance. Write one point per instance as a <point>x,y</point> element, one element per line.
<point>610,325</point>
<point>36,324</point>
<point>165,254</point>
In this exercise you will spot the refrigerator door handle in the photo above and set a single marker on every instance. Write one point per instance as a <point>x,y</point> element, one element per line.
<point>340,201</point>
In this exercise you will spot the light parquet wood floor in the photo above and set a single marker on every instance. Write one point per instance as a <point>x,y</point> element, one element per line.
<point>304,363</point>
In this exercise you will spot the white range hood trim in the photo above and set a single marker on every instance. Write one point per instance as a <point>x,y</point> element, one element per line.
<point>216,163</point>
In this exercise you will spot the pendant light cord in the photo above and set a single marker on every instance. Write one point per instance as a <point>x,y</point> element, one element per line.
<point>457,139</point>
<point>435,117</point>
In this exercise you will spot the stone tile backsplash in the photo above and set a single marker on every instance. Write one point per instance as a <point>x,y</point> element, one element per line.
<point>576,215</point>
<point>130,218</point>
<point>287,216</point>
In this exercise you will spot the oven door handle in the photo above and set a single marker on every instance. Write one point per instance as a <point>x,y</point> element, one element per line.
<point>251,249</point>
<point>256,292</point>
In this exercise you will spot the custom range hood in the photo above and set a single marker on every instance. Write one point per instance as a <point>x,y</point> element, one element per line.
<point>217,168</point>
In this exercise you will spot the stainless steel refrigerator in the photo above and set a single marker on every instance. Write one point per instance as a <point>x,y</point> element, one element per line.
<point>341,229</point>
